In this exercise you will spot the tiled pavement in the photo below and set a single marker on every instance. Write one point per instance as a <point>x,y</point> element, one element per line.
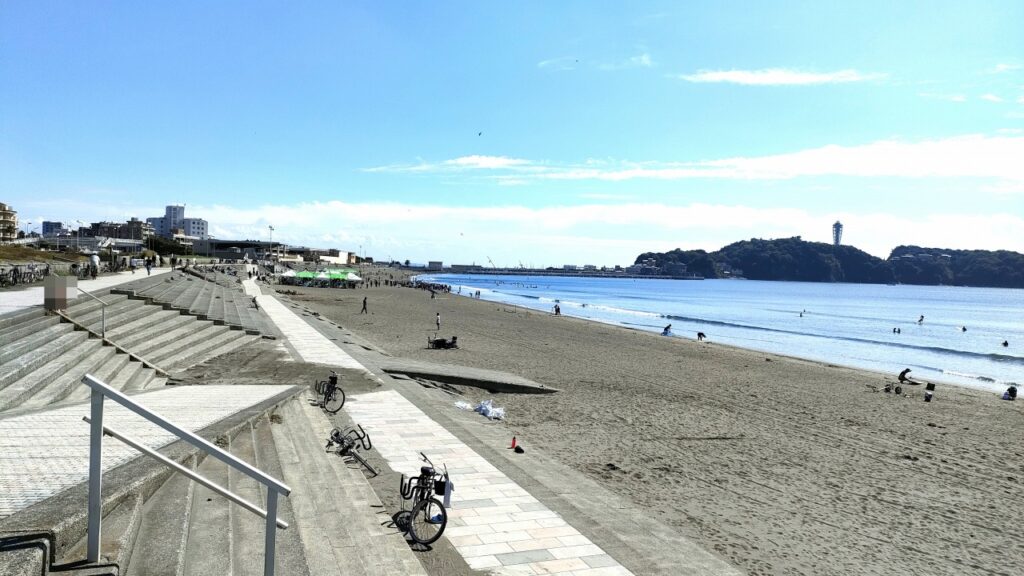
<point>310,344</point>
<point>494,523</point>
<point>43,453</point>
<point>14,300</point>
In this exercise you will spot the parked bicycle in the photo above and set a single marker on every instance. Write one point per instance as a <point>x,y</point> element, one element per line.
<point>331,396</point>
<point>348,444</point>
<point>427,518</point>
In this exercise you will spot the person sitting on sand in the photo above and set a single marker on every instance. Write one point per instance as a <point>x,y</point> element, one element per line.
<point>903,377</point>
<point>667,330</point>
<point>701,336</point>
<point>1010,394</point>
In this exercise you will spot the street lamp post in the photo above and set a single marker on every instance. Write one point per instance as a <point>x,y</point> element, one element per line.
<point>271,228</point>
<point>78,236</point>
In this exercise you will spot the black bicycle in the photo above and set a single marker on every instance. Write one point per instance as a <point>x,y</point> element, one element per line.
<point>331,396</point>
<point>426,521</point>
<point>349,442</point>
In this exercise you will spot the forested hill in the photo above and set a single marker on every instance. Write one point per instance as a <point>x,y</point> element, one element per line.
<point>796,260</point>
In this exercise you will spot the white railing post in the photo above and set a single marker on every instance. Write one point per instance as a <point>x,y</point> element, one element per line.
<point>95,476</point>
<point>269,544</point>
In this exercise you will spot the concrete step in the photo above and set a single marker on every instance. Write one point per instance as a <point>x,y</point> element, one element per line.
<point>28,327</point>
<point>32,341</point>
<point>94,315</point>
<point>157,342</point>
<point>201,302</point>
<point>24,556</point>
<point>247,529</point>
<point>208,543</point>
<point>159,547</point>
<point>154,315</point>
<point>15,318</point>
<point>194,342</point>
<point>59,388</point>
<point>387,543</point>
<point>215,306</point>
<point>156,382</point>
<point>117,538</point>
<point>141,380</point>
<point>124,375</point>
<point>17,367</point>
<point>84,305</point>
<point>28,385</point>
<point>230,346</point>
<point>330,505</point>
<point>137,342</point>
<point>289,554</point>
<point>136,311</point>
<point>189,294</point>
<point>191,354</point>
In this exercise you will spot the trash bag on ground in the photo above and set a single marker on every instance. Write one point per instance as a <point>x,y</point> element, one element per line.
<point>488,409</point>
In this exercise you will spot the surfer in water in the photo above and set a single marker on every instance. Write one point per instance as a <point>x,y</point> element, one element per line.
<point>1005,344</point>
<point>921,319</point>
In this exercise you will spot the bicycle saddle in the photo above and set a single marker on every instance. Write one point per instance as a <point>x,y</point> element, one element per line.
<point>426,471</point>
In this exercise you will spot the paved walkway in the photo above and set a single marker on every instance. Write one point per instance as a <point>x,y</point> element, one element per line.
<point>310,344</point>
<point>46,452</point>
<point>15,300</point>
<point>494,523</point>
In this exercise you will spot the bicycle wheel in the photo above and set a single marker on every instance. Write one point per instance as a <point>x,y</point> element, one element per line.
<point>362,461</point>
<point>334,400</point>
<point>427,521</point>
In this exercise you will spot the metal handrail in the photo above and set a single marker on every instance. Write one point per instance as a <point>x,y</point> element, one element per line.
<point>103,312</point>
<point>100,390</point>
<point>255,509</point>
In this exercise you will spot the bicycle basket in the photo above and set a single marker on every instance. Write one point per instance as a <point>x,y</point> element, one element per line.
<point>440,486</point>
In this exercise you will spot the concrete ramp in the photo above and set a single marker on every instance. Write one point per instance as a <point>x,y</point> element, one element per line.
<point>490,380</point>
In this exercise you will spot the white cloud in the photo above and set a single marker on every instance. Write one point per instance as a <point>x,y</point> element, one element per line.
<point>947,97</point>
<point>473,162</point>
<point>1000,68</point>
<point>639,61</point>
<point>560,63</point>
<point>487,162</point>
<point>779,77</point>
<point>995,158</point>
<point>991,98</point>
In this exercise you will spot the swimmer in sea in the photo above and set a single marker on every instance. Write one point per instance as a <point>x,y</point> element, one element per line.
<point>1005,344</point>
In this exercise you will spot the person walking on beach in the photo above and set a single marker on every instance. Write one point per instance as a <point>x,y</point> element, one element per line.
<point>363,311</point>
<point>438,321</point>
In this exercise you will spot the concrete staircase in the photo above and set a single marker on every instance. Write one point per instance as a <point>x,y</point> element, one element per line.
<point>211,293</point>
<point>157,523</point>
<point>43,357</point>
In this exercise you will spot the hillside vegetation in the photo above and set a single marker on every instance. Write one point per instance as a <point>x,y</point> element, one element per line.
<point>793,259</point>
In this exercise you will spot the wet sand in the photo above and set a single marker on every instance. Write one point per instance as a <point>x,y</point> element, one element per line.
<point>779,465</point>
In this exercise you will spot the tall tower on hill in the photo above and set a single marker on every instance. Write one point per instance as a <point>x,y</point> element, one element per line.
<point>837,233</point>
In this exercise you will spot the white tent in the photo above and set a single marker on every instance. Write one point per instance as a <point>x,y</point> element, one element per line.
<point>352,276</point>
<point>288,274</point>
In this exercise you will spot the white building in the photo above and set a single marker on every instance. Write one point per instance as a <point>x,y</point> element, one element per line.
<point>174,220</point>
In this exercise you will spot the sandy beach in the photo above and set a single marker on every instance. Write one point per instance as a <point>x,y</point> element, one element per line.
<point>778,465</point>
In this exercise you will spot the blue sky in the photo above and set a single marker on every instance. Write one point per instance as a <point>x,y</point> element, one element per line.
<point>534,132</point>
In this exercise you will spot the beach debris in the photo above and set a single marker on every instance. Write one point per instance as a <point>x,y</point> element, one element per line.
<point>486,408</point>
<point>519,450</point>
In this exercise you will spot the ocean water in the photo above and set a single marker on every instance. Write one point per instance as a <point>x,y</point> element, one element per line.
<point>845,324</point>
